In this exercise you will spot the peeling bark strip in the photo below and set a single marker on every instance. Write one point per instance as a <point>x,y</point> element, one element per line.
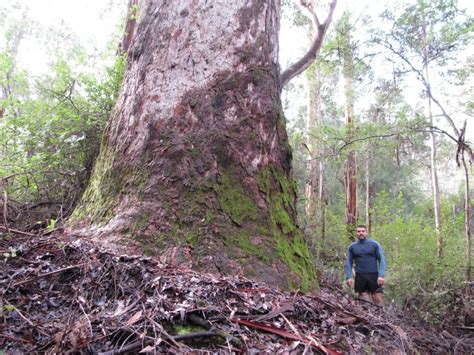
<point>130,23</point>
<point>195,165</point>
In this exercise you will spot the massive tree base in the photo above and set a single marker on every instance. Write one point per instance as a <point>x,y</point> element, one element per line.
<point>195,166</point>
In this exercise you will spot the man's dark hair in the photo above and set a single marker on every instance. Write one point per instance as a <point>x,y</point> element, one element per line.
<point>362,226</point>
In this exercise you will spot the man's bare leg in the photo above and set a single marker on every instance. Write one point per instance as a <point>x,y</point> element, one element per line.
<point>378,298</point>
<point>365,296</point>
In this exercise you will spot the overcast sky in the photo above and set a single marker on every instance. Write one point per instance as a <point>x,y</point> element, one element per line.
<point>94,21</point>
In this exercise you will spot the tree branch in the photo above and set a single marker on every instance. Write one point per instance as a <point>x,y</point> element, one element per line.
<point>316,43</point>
<point>421,76</point>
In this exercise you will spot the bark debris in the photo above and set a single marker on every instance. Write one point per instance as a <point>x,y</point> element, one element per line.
<point>74,296</point>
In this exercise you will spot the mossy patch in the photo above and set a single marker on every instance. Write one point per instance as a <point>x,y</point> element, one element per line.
<point>233,199</point>
<point>108,182</point>
<point>102,192</point>
<point>192,238</point>
<point>290,244</point>
<point>243,241</point>
<point>187,329</point>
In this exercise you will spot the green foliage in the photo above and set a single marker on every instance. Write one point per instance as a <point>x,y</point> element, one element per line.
<point>439,26</point>
<point>51,126</point>
<point>416,279</point>
<point>9,308</point>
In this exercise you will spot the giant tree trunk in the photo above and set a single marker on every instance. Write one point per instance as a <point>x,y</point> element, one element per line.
<point>195,164</point>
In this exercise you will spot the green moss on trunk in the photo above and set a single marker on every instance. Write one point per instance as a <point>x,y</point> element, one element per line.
<point>290,244</point>
<point>108,182</point>
<point>234,200</point>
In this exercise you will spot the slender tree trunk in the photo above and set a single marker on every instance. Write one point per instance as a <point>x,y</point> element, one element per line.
<point>322,201</point>
<point>350,169</point>
<point>467,228</point>
<point>436,197</point>
<point>311,188</point>
<point>195,165</point>
<point>350,183</point>
<point>367,193</point>
<point>433,157</point>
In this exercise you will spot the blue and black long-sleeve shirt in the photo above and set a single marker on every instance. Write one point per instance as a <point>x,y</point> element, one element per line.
<point>368,257</point>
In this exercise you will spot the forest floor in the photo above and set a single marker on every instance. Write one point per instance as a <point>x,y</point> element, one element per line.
<point>62,296</point>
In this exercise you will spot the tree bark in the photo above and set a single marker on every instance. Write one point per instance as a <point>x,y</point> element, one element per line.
<point>322,200</point>
<point>130,23</point>
<point>350,168</point>
<point>368,222</point>
<point>311,188</point>
<point>467,228</point>
<point>436,197</point>
<point>195,164</point>
<point>434,167</point>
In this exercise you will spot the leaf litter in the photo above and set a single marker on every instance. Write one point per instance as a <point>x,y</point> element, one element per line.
<point>58,297</point>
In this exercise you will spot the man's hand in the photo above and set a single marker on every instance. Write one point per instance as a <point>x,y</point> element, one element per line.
<point>349,282</point>
<point>380,281</point>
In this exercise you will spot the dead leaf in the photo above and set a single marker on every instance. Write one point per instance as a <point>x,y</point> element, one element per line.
<point>148,349</point>
<point>347,320</point>
<point>135,318</point>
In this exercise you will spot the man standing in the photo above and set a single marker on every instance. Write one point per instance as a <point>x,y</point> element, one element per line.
<point>369,267</point>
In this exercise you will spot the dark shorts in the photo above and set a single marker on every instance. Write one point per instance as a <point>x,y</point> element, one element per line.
<point>367,282</point>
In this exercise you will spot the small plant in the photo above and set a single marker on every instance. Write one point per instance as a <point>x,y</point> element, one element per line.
<point>10,254</point>
<point>51,224</point>
<point>9,308</point>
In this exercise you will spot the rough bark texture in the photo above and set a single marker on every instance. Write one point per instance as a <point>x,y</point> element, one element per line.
<point>195,165</point>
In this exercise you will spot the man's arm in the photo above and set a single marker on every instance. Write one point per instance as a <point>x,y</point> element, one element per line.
<point>349,261</point>
<point>381,260</point>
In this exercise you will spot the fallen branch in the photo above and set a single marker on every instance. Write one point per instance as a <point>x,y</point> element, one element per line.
<point>206,325</point>
<point>140,344</point>
<point>275,313</point>
<point>10,230</point>
<point>286,334</point>
<point>128,348</point>
<point>467,328</point>
<point>22,316</point>
<point>47,274</point>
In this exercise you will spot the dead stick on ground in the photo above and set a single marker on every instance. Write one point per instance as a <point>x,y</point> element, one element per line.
<point>275,313</point>
<point>337,306</point>
<point>9,230</point>
<point>206,325</point>
<point>38,329</point>
<point>47,274</point>
<point>293,328</point>
<point>127,348</point>
<point>139,344</point>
